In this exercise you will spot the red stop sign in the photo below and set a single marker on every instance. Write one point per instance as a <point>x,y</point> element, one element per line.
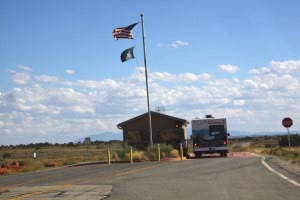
<point>287,122</point>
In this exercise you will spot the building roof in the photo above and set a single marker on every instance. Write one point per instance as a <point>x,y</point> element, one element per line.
<point>120,125</point>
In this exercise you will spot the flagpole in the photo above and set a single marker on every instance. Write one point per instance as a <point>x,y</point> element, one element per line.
<point>146,75</point>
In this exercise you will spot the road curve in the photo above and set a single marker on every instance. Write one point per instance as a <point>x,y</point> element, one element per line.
<point>207,178</point>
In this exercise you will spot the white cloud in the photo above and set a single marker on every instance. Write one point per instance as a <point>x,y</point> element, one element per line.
<point>25,68</point>
<point>229,68</point>
<point>20,77</point>
<point>278,67</point>
<point>83,107</point>
<point>47,79</point>
<point>69,71</point>
<point>285,67</point>
<point>37,99</point>
<point>179,43</point>
<point>139,76</point>
<point>239,102</point>
<point>254,71</point>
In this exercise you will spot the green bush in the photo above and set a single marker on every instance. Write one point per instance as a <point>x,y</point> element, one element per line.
<point>22,163</point>
<point>165,151</point>
<point>152,155</point>
<point>152,152</point>
<point>6,155</point>
<point>69,162</point>
<point>122,153</point>
<point>165,148</point>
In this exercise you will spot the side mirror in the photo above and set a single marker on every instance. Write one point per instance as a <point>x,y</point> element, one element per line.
<point>228,134</point>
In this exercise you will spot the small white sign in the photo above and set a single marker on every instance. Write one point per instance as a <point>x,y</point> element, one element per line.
<point>34,155</point>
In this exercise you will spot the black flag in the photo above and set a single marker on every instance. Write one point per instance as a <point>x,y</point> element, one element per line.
<point>127,54</point>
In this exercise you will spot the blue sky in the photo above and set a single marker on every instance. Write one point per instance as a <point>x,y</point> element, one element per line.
<point>194,48</point>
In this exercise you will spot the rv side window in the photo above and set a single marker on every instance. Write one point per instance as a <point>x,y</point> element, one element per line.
<point>215,133</point>
<point>215,130</point>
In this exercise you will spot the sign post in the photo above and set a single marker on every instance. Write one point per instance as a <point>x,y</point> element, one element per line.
<point>287,123</point>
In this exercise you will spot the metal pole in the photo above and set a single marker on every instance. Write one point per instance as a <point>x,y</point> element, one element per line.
<point>131,157</point>
<point>158,152</point>
<point>108,155</point>
<point>289,140</point>
<point>181,152</point>
<point>146,75</point>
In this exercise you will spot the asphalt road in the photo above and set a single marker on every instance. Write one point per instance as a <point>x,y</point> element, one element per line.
<point>207,178</point>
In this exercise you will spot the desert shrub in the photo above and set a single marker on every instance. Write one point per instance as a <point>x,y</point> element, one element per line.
<point>122,153</point>
<point>69,162</point>
<point>136,155</point>
<point>152,152</point>
<point>270,145</point>
<point>101,157</point>
<point>241,147</point>
<point>50,164</point>
<point>22,163</point>
<point>165,151</point>
<point>166,148</point>
<point>6,155</point>
<point>294,139</point>
<point>174,153</point>
<point>115,156</point>
<point>152,155</point>
<point>286,154</point>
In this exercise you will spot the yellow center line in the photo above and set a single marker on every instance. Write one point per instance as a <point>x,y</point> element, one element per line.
<point>40,192</point>
<point>133,170</point>
<point>137,170</point>
<point>26,195</point>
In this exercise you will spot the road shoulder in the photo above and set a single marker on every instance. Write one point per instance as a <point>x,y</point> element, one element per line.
<point>284,167</point>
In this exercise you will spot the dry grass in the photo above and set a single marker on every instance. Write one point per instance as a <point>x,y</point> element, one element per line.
<point>60,155</point>
<point>136,156</point>
<point>266,146</point>
<point>292,155</point>
<point>174,153</point>
<point>241,147</point>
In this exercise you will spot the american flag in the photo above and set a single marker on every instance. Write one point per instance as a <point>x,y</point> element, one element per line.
<point>123,32</point>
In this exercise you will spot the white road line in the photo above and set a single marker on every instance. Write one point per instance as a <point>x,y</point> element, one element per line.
<point>278,173</point>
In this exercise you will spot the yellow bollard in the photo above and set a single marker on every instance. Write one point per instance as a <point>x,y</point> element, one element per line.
<point>158,152</point>
<point>181,152</point>
<point>131,158</point>
<point>108,155</point>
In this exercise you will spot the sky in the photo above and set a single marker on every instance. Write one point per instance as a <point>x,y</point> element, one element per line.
<point>61,77</point>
